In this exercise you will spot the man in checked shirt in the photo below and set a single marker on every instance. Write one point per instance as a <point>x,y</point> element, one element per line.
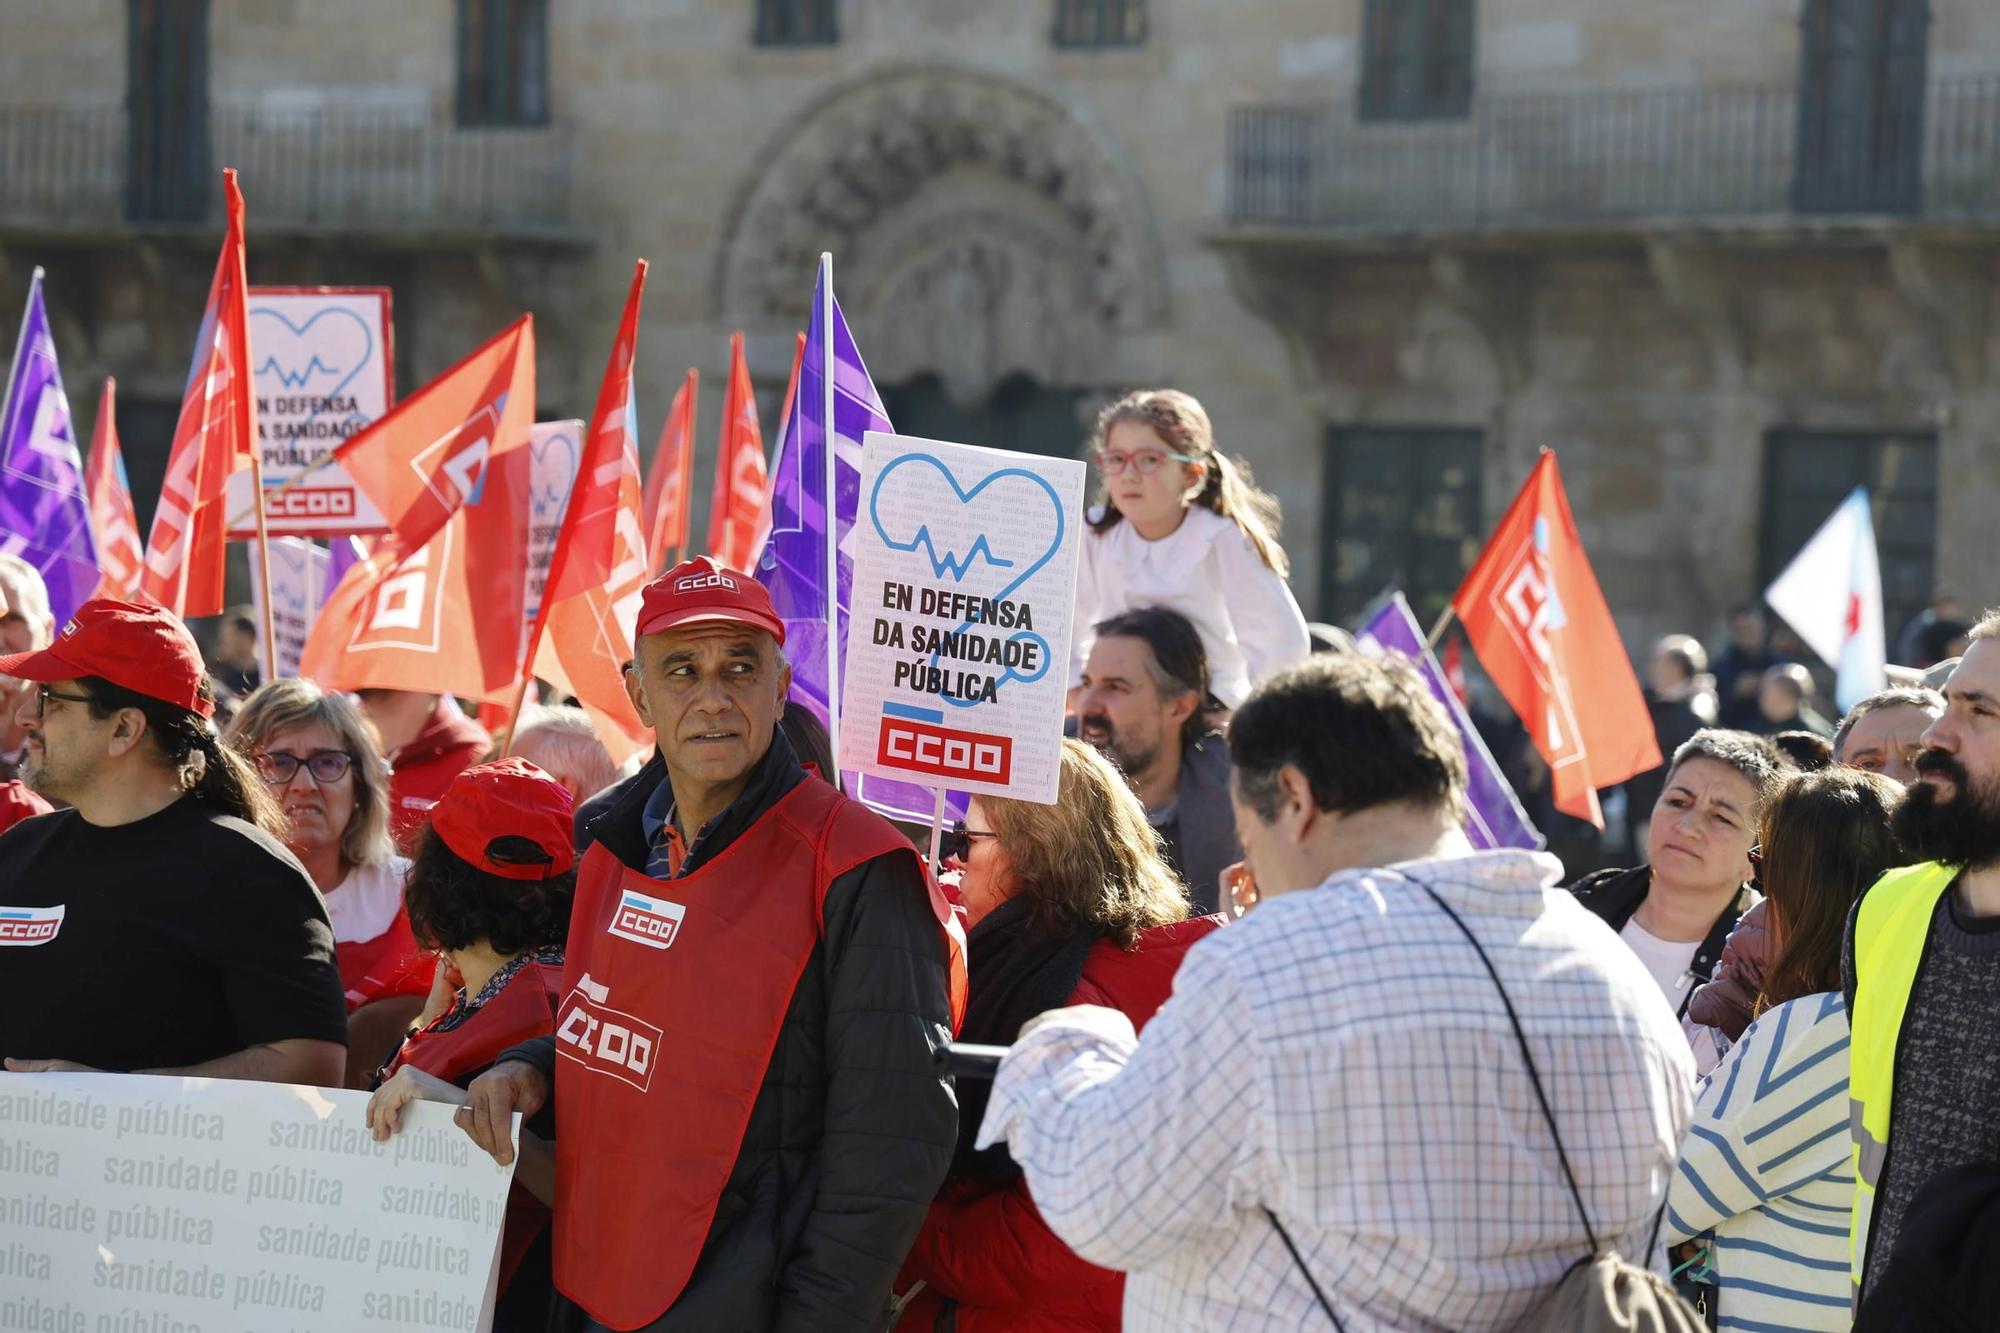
<point>1341,1056</point>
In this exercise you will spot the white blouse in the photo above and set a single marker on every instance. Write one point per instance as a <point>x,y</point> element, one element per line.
<point>1207,570</point>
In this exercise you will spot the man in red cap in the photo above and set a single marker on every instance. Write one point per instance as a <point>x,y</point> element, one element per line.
<point>158,924</point>
<point>752,1127</point>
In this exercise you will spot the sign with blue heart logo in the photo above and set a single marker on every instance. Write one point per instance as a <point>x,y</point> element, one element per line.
<point>964,589</point>
<point>323,370</point>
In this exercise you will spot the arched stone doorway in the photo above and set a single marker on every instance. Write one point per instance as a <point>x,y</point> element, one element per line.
<point>993,251</point>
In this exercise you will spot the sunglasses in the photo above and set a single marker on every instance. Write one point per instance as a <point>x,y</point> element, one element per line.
<point>1757,867</point>
<point>1144,461</point>
<point>278,768</point>
<point>955,843</point>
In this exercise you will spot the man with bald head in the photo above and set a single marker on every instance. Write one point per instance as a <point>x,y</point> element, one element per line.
<point>752,1127</point>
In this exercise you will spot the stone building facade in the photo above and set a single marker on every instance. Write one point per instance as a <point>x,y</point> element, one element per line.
<point>1728,260</point>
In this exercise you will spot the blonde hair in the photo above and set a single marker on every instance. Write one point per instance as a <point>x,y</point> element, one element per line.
<point>284,705</point>
<point>1091,859</point>
<point>1227,486</point>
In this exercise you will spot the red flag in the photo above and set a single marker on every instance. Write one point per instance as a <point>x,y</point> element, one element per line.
<point>449,468</point>
<point>431,453</point>
<point>214,436</point>
<point>1454,668</point>
<point>667,482</point>
<point>739,512</point>
<point>1536,618</point>
<point>583,634</point>
<point>116,527</point>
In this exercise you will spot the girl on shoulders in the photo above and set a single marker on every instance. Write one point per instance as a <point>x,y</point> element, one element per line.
<point>1180,525</point>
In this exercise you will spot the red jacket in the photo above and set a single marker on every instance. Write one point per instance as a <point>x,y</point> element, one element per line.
<point>18,803</point>
<point>987,1248</point>
<point>449,744</point>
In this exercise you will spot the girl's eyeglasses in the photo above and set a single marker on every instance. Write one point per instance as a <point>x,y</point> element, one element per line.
<point>955,843</point>
<point>1144,461</point>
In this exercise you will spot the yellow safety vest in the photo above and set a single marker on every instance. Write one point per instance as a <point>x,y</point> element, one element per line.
<point>1889,935</point>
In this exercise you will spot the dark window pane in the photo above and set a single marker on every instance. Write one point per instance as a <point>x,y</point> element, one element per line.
<point>796,23</point>
<point>1100,22</point>
<point>503,66</point>
<point>1403,510</point>
<point>1416,59</point>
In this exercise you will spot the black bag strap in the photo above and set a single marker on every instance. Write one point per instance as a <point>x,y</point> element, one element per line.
<point>1305,1272</point>
<point>1534,1074</point>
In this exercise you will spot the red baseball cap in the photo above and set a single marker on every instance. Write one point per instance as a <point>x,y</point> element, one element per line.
<point>699,589</point>
<point>145,649</point>
<point>507,798</point>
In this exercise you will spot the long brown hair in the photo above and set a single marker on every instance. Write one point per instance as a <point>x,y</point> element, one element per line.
<point>1091,859</point>
<point>207,769</point>
<point>1227,486</point>
<point>1825,838</point>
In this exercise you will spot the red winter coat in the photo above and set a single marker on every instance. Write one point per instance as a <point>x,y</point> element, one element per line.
<point>449,744</point>
<point>987,1248</point>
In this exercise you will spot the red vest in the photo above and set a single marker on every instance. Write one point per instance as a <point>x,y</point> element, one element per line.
<point>524,1009</point>
<point>676,991</point>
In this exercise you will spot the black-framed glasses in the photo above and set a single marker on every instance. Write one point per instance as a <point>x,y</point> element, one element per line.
<point>1143,461</point>
<point>955,843</point>
<point>44,694</point>
<point>278,767</point>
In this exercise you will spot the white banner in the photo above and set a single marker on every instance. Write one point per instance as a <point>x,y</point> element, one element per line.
<point>555,451</point>
<point>168,1205</point>
<point>323,371</point>
<point>298,587</point>
<point>964,588</point>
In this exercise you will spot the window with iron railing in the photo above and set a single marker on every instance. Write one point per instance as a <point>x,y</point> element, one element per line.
<point>1402,511</point>
<point>503,62</point>
<point>1088,23</point>
<point>797,23</point>
<point>1416,59</point>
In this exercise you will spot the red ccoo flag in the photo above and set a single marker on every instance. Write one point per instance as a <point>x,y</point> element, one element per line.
<point>215,435</point>
<point>739,514</point>
<point>672,472</point>
<point>437,605</point>
<point>112,519</point>
<point>583,634</point>
<point>1536,618</point>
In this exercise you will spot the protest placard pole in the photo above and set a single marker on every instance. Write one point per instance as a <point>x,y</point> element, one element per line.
<point>937,829</point>
<point>1437,630</point>
<point>827,447</point>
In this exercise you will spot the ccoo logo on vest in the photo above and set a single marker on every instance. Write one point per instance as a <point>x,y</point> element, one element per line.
<point>606,1040</point>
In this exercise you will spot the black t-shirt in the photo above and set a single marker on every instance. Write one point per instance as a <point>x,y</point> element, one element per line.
<point>158,944</point>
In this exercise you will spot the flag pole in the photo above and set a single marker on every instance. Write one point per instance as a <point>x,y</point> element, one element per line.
<point>1437,630</point>
<point>826,439</point>
<point>266,639</point>
<point>21,342</point>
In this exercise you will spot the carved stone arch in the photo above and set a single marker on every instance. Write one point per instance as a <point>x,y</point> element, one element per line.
<point>979,227</point>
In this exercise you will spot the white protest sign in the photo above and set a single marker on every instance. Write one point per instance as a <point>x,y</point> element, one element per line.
<point>964,588</point>
<point>298,586</point>
<point>169,1205</point>
<point>555,452</point>
<point>323,370</point>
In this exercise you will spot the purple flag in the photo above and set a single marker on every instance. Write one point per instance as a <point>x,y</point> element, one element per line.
<point>1493,814</point>
<point>44,512</point>
<point>344,553</point>
<point>794,564</point>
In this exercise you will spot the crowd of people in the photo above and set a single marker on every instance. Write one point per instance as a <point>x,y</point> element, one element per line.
<point>1285,1050</point>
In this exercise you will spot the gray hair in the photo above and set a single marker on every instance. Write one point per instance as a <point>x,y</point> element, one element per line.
<point>1761,763</point>
<point>28,596</point>
<point>1901,696</point>
<point>285,705</point>
<point>562,743</point>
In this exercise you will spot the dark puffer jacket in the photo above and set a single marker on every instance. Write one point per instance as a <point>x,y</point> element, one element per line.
<point>1614,895</point>
<point>853,1128</point>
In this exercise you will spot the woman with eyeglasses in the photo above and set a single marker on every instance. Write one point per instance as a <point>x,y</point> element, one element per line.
<point>1181,525</point>
<point>321,763</point>
<point>1066,904</point>
<point>1766,1163</point>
